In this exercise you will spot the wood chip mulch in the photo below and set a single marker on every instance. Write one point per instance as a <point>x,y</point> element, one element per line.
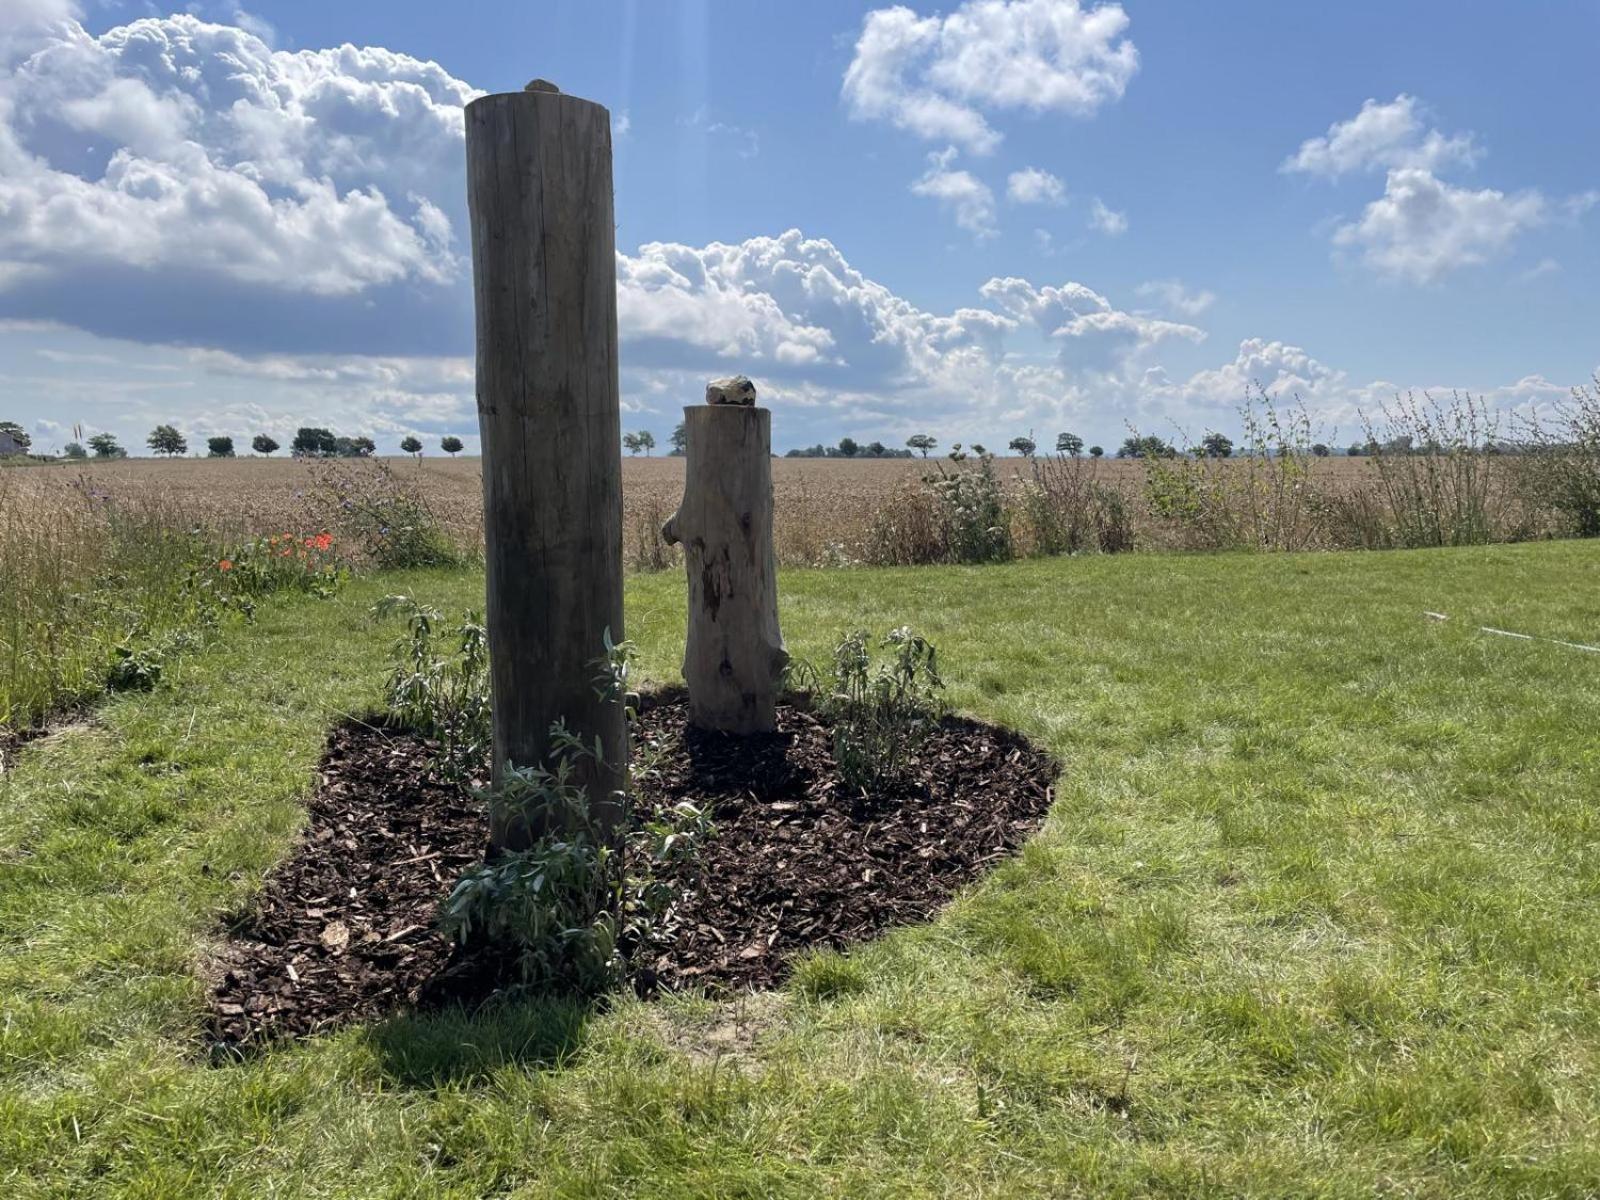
<point>344,929</point>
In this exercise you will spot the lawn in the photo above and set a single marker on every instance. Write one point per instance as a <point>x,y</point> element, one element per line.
<point>1315,913</point>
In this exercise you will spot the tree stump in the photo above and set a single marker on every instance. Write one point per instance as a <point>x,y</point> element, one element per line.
<point>544,276</point>
<point>734,658</point>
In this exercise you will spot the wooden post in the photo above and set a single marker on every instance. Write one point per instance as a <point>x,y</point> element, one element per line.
<point>734,659</point>
<point>544,275</point>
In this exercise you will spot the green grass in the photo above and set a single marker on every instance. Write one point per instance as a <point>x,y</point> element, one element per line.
<point>1314,913</point>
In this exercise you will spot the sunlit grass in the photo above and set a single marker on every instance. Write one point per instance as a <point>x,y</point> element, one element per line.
<point>1314,913</point>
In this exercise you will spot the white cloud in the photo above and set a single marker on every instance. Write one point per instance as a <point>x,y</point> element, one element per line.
<point>172,151</point>
<point>936,76</point>
<point>1092,331</point>
<point>962,192</point>
<point>1031,185</point>
<point>1106,220</point>
<point>1174,296</point>
<point>1382,136</point>
<point>1423,227</point>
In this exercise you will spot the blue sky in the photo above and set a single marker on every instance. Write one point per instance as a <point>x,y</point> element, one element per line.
<point>973,220</point>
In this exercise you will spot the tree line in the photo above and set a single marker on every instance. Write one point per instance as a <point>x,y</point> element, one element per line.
<point>310,441</point>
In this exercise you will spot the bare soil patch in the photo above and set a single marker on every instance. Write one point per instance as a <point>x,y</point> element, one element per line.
<point>344,928</point>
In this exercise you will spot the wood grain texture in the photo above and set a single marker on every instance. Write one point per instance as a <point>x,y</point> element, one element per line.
<point>544,277</point>
<point>734,658</point>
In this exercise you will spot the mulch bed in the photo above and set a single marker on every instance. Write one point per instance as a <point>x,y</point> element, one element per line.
<point>344,929</point>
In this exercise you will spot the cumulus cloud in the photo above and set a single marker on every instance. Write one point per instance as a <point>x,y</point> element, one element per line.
<point>1382,136</point>
<point>1422,227</point>
<point>173,157</point>
<point>961,192</point>
<point>936,76</point>
<point>1106,220</point>
<point>1031,185</point>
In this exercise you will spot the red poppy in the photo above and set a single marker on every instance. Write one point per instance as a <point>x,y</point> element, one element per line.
<point>225,565</point>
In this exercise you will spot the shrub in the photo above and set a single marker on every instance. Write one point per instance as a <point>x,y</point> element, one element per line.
<point>1559,467</point>
<point>1280,500</point>
<point>908,529</point>
<point>880,715</point>
<point>439,683</point>
<point>1193,499</point>
<point>575,906</point>
<point>1434,476</point>
<point>1065,509</point>
<point>1263,497</point>
<point>387,518</point>
<point>972,512</point>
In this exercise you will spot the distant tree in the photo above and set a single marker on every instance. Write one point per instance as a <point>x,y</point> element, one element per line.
<point>1148,446</point>
<point>219,447</point>
<point>977,448</point>
<point>642,440</point>
<point>922,443</point>
<point>1320,450</point>
<point>1069,443</point>
<point>356,447</point>
<point>105,445</point>
<point>451,445</point>
<point>18,434</point>
<point>679,440</point>
<point>1216,445</point>
<point>165,439</point>
<point>1356,450</point>
<point>313,441</point>
<point>1024,446</point>
<point>957,454</point>
<point>411,445</point>
<point>1096,451</point>
<point>876,449</point>
<point>262,444</point>
<point>848,447</point>
<point>74,450</point>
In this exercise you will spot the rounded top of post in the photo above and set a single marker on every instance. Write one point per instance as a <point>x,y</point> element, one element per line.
<point>541,85</point>
<point>736,389</point>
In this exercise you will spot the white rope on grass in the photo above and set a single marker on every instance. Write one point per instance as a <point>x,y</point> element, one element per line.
<point>1521,637</point>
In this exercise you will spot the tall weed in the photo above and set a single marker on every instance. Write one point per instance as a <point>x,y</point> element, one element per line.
<point>1558,464</point>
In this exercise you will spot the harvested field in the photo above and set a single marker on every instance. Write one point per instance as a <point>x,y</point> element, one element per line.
<point>824,507</point>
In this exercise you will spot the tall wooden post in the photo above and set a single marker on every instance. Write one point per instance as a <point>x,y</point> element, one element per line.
<point>734,658</point>
<point>544,275</point>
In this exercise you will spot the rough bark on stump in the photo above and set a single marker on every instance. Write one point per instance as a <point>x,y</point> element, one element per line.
<point>734,659</point>
<point>544,275</point>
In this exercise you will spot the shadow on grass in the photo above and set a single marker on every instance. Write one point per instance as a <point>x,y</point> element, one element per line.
<point>461,1045</point>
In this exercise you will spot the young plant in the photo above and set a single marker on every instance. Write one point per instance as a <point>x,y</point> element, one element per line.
<point>582,900</point>
<point>439,684</point>
<point>880,714</point>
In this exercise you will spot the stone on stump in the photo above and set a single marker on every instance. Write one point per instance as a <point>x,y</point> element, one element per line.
<point>734,659</point>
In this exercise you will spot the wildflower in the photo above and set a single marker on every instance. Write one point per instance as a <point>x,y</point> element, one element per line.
<point>324,540</point>
<point>225,565</point>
